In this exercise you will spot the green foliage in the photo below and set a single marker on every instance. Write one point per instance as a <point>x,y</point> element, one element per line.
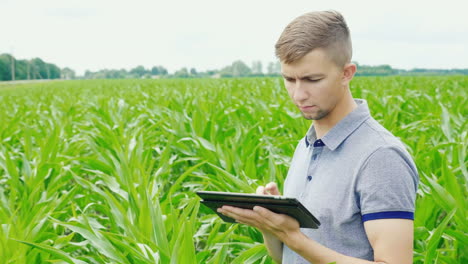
<point>182,73</point>
<point>27,69</point>
<point>158,70</point>
<point>68,73</point>
<point>136,73</point>
<point>236,69</point>
<point>387,70</point>
<point>104,171</point>
<point>380,70</point>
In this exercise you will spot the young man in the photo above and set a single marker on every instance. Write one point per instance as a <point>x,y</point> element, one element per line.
<point>348,170</point>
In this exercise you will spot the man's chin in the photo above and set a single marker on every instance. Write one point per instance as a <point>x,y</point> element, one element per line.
<point>315,116</point>
<point>308,116</point>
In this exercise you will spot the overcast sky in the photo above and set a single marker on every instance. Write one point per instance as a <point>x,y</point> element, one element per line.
<point>209,34</point>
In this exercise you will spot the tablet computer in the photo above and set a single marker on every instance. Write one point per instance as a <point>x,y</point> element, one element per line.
<point>274,203</point>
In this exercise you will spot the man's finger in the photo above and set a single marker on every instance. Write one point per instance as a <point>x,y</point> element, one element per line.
<point>244,216</point>
<point>272,188</point>
<point>267,215</point>
<point>245,213</point>
<point>263,211</point>
<point>273,220</point>
<point>260,190</point>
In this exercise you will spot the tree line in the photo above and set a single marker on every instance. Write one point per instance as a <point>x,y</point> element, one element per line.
<point>387,70</point>
<point>13,69</point>
<point>236,69</point>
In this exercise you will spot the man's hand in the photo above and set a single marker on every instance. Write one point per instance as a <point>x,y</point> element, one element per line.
<point>278,225</point>
<point>257,217</point>
<point>269,189</point>
<point>274,227</point>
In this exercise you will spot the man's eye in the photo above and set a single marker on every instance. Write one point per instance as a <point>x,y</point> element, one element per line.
<point>314,80</point>
<point>289,79</point>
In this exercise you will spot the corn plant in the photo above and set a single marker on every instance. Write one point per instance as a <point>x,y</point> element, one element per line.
<point>105,171</point>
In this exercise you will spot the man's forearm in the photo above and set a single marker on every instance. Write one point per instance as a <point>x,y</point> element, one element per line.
<point>274,247</point>
<point>317,253</point>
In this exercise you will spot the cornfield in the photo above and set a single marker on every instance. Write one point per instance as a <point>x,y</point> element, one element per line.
<point>105,171</point>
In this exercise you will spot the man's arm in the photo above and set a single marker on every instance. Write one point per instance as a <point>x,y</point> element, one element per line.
<point>274,247</point>
<point>273,244</point>
<point>391,239</point>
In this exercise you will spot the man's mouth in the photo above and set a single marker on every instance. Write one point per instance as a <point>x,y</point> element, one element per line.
<point>306,107</point>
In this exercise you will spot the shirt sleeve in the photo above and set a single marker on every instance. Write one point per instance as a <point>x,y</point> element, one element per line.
<point>387,185</point>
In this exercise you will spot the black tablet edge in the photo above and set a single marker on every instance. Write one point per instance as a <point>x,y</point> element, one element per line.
<point>306,211</point>
<point>267,198</point>
<point>301,209</point>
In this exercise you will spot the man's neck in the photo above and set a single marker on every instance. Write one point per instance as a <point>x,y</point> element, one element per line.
<point>342,109</point>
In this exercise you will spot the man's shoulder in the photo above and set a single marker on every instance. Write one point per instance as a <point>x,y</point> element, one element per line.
<point>371,136</point>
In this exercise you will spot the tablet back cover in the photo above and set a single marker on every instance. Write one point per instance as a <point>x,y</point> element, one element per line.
<point>288,206</point>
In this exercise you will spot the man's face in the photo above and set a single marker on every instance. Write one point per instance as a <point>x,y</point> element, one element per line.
<point>315,84</point>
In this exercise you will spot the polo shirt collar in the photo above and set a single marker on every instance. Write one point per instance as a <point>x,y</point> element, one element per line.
<point>342,129</point>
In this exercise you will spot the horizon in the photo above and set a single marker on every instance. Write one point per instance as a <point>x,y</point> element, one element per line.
<point>227,64</point>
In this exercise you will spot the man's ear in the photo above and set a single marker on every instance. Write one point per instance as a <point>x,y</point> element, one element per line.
<point>348,72</point>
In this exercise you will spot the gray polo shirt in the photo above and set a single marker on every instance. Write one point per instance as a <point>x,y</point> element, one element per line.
<point>357,172</point>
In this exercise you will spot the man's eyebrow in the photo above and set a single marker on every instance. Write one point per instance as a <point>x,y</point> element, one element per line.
<point>307,76</point>
<point>313,75</point>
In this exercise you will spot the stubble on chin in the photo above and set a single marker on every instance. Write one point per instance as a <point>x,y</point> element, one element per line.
<point>315,116</point>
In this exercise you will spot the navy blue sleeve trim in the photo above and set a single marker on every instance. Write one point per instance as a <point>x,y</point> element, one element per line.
<point>388,215</point>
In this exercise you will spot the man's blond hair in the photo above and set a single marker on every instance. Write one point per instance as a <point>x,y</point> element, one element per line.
<point>321,29</point>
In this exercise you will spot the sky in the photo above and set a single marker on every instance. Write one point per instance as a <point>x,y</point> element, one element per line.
<point>209,34</point>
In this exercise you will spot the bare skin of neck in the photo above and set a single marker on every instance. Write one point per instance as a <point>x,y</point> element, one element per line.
<point>345,106</point>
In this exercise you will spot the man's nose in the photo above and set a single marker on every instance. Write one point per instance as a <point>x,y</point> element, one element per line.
<point>300,91</point>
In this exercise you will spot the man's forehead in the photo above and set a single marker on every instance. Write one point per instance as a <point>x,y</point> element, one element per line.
<point>316,62</point>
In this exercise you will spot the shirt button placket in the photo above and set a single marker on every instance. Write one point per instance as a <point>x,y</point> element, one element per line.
<point>317,149</point>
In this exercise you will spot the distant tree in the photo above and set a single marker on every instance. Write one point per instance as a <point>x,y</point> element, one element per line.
<point>112,74</point>
<point>162,70</point>
<point>68,73</point>
<point>226,71</point>
<point>139,71</point>
<point>380,70</point>
<point>155,70</point>
<point>87,74</point>
<point>277,67</point>
<point>236,69</point>
<point>271,68</point>
<point>193,72</point>
<point>121,74</point>
<point>53,71</point>
<point>239,68</point>
<point>257,67</point>
<point>39,69</point>
<point>211,72</point>
<point>27,69</point>
<point>158,70</point>
<point>7,64</point>
<point>274,68</point>
<point>182,73</point>
<point>5,67</point>
<point>21,69</point>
